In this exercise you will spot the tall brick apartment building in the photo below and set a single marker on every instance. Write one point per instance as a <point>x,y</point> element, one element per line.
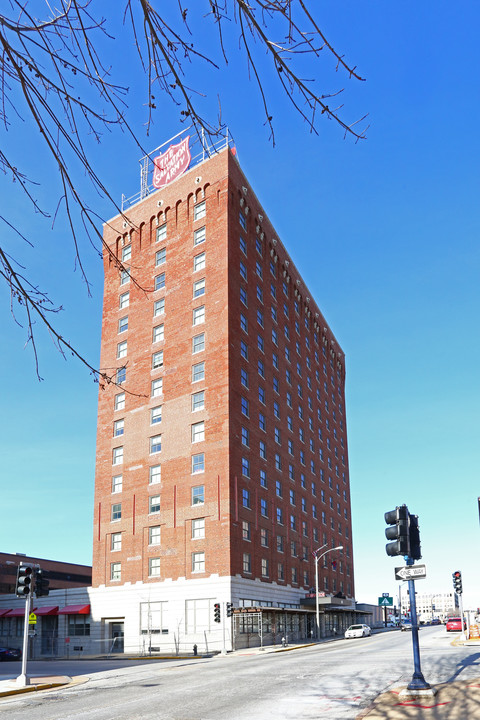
<point>222,459</point>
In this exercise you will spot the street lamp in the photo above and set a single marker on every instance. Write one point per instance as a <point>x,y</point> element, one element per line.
<point>317,558</point>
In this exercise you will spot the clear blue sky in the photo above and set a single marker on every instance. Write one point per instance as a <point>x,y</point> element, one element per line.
<point>385,233</point>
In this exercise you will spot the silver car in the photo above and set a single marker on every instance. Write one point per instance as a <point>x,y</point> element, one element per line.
<point>355,631</point>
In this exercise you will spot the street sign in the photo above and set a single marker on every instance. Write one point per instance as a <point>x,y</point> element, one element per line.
<point>385,601</point>
<point>32,619</point>
<point>411,572</point>
<point>385,594</point>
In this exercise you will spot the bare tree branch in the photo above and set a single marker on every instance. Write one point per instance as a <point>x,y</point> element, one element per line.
<point>55,78</point>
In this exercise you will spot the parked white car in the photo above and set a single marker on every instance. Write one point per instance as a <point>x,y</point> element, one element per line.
<point>355,631</point>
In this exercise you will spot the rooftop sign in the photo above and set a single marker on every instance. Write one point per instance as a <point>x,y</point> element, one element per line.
<point>171,164</point>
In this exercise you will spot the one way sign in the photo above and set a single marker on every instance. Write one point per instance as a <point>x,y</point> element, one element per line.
<point>411,572</point>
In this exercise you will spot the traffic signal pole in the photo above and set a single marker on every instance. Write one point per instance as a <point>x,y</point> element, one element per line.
<point>23,679</point>
<point>418,684</point>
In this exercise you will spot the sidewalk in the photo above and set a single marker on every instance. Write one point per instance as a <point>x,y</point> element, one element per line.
<point>10,687</point>
<point>459,700</point>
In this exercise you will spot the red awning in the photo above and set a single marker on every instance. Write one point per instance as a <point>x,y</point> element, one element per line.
<point>75,610</point>
<point>47,610</point>
<point>17,612</point>
<point>4,612</point>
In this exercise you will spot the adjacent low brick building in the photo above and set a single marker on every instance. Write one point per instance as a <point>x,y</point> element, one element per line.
<point>222,459</point>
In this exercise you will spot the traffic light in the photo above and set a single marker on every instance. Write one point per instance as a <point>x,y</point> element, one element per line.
<point>229,609</point>
<point>216,612</point>
<point>414,533</point>
<point>24,580</point>
<point>399,532</point>
<point>41,584</point>
<point>457,581</point>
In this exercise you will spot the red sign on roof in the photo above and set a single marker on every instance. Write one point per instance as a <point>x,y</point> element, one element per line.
<point>172,163</point>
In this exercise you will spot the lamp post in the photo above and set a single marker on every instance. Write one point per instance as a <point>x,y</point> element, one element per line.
<point>317,558</point>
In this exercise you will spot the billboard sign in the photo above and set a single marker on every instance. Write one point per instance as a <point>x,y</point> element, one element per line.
<point>171,164</point>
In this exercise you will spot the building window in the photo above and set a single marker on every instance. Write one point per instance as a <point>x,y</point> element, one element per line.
<point>278,462</point>
<point>263,450</point>
<point>157,387</point>
<point>247,563</point>
<point>123,324</point>
<point>261,395</point>
<point>155,444</point>
<point>198,372</point>
<point>246,468</point>
<point>263,537</point>
<point>156,415</point>
<point>265,569</point>
<point>199,262</point>
<point>244,349</point>
<point>124,277</point>
<point>160,257</point>
<point>243,323</point>
<point>245,407</point>
<point>118,428</point>
<point>154,504</point>
<point>278,437</point>
<point>245,437</point>
<point>199,236</point>
<point>263,507</point>
<point>161,232</point>
<point>160,281</point>
<point>243,245</point>
<point>244,377</point>
<point>159,307</point>
<point>198,432</point>
<point>199,288</point>
<point>115,542</point>
<point>198,495</point>
<point>246,530</point>
<point>157,360</point>
<point>198,401</point>
<point>124,300</point>
<point>198,562</point>
<point>116,511</point>
<point>199,315</point>
<point>198,528</point>
<point>281,573</point>
<point>198,463</point>
<point>154,567</point>
<point>246,498</point>
<point>294,576</point>
<point>117,483</point>
<point>155,474</point>
<point>199,210</point>
<point>121,376</point>
<point>278,488</point>
<point>122,349</point>
<point>243,297</point>
<point>120,401</point>
<point>242,220</point>
<point>126,253</point>
<point>261,422</point>
<point>115,571</point>
<point>280,544</point>
<point>154,535</point>
<point>198,343</point>
<point>158,333</point>
<point>279,516</point>
<point>117,456</point>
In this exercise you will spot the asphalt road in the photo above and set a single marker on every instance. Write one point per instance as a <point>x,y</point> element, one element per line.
<point>334,681</point>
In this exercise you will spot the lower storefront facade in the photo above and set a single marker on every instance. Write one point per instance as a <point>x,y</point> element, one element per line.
<point>185,616</point>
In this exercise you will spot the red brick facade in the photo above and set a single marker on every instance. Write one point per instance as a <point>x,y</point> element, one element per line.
<point>239,326</point>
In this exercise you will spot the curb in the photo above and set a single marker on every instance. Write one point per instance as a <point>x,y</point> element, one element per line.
<point>38,687</point>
